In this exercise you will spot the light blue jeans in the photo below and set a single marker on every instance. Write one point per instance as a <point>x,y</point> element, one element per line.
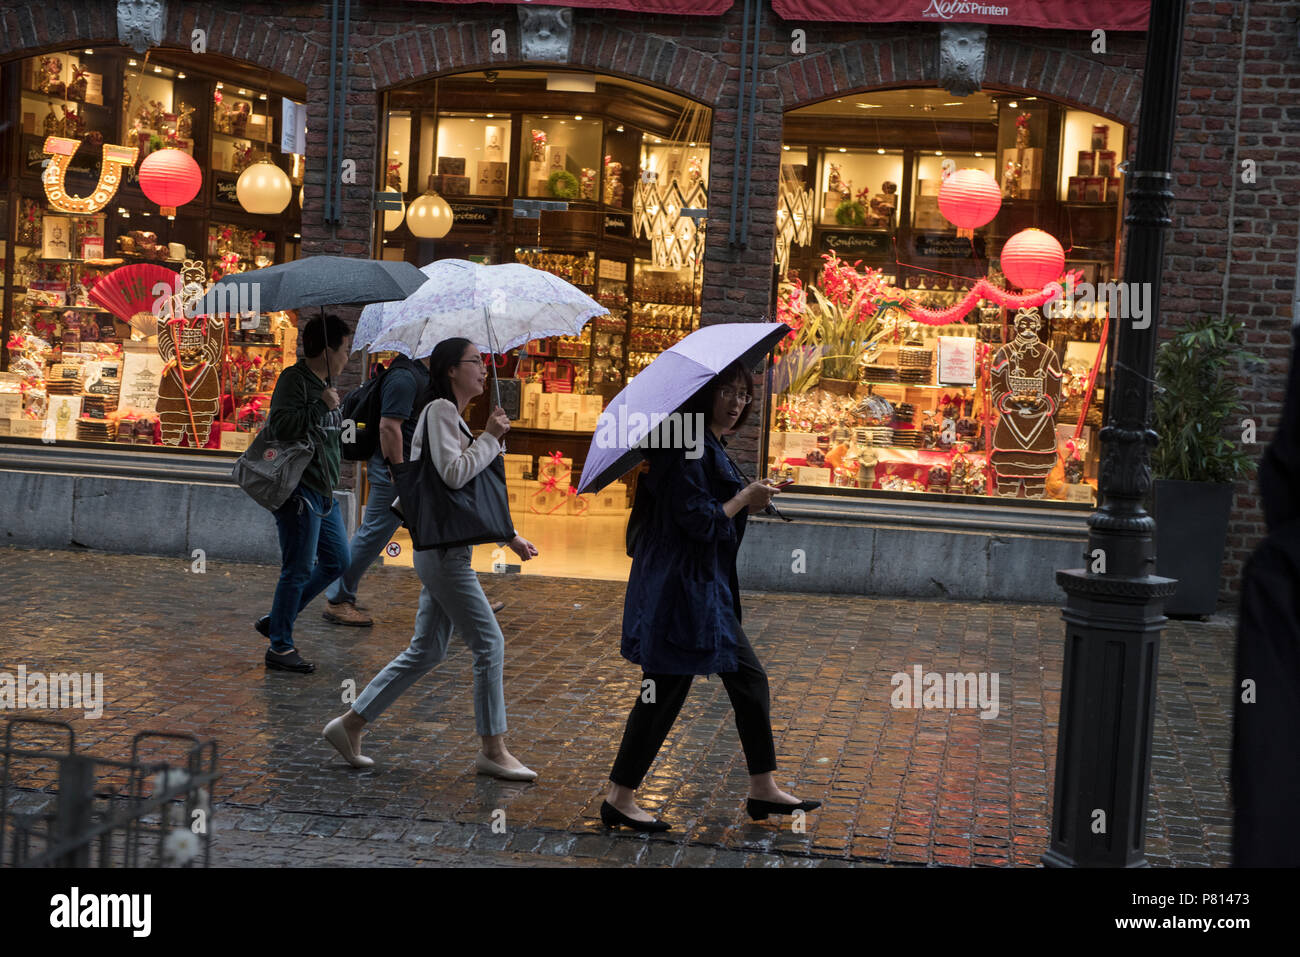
<point>377,527</point>
<point>451,598</point>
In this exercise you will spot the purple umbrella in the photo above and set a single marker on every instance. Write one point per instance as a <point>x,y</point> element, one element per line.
<point>661,387</point>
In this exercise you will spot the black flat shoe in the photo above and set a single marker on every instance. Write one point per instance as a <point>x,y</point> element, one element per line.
<point>759,810</point>
<point>611,816</point>
<point>290,662</point>
<point>263,626</point>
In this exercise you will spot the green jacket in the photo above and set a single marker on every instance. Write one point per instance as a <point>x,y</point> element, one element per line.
<point>298,411</point>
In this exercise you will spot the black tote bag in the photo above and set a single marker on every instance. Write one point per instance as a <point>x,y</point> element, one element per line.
<point>438,516</point>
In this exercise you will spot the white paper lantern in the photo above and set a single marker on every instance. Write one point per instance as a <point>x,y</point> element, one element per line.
<point>430,216</point>
<point>264,188</point>
<point>393,217</point>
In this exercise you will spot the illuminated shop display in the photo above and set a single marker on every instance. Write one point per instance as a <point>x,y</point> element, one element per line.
<point>934,349</point>
<point>126,190</point>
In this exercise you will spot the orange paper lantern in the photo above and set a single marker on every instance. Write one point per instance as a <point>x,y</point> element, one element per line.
<point>970,198</point>
<point>170,178</point>
<point>1032,258</point>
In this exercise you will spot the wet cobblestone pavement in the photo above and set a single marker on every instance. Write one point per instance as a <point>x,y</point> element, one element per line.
<point>900,786</point>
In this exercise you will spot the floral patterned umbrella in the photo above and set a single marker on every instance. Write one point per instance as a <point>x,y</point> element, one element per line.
<point>496,307</point>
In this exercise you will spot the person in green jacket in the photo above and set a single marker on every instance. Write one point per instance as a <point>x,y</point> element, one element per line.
<point>313,540</point>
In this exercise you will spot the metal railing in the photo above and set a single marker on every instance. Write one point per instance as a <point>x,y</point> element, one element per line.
<point>75,810</point>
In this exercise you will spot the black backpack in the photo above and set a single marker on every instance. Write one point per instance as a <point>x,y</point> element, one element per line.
<point>361,410</point>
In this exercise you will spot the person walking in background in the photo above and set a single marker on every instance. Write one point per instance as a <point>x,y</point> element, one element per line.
<point>313,540</point>
<point>452,596</point>
<point>681,612</point>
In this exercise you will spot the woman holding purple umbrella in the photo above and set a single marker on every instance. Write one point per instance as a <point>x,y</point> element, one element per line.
<point>681,614</point>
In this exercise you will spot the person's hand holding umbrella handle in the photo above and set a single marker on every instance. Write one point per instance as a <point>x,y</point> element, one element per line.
<point>498,423</point>
<point>330,397</point>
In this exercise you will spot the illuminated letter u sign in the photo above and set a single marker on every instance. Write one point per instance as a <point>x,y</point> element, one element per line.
<point>61,151</point>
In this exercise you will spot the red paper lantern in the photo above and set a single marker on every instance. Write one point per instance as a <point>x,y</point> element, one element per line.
<point>970,198</point>
<point>1032,258</point>
<point>170,178</point>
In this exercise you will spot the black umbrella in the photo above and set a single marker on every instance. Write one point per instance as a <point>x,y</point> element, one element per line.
<point>314,281</point>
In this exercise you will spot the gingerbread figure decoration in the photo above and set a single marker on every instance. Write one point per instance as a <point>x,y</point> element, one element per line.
<point>189,391</point>
<point>1026,380</point>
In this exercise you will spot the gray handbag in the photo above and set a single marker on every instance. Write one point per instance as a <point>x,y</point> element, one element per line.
<point>269,471</point>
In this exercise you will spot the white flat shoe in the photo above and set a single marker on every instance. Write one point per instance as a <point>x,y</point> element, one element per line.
<point>486,765</point>
<point>337,736</point>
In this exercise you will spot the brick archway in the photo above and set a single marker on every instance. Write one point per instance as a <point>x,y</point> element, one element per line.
<point>1069,77</point>
<point>244,34</point>
<point>429,51</point>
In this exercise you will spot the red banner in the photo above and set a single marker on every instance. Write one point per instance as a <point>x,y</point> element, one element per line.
<point>698,8</point>
<point>1044,14</point>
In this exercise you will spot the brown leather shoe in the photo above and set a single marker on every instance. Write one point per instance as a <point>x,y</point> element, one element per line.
<point>345,613</point>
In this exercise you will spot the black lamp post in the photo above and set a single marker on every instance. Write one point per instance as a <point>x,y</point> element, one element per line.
<point>1114,610</point>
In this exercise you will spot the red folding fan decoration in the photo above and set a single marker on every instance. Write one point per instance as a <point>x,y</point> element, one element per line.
<point>128,293</point>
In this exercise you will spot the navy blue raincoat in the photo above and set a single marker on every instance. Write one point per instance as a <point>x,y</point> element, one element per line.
<point>681,614</point>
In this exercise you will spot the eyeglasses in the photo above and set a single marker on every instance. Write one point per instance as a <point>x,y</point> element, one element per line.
<point>479,361</point>
<point>729,394</point>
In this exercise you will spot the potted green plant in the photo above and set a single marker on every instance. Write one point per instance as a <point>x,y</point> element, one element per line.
<point>1195,460</point>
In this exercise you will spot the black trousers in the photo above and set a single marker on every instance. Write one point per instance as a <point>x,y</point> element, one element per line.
<point>648,724</point>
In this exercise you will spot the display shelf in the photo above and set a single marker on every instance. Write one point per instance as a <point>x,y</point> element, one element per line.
<point>68,309</point>
<point>242,136</point>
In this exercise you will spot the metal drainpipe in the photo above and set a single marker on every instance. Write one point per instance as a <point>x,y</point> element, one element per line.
<point>749,143</point>
<point>345,73</point>
<point>1235,172</point>
<point>329,120</point>
<point>740,120</point>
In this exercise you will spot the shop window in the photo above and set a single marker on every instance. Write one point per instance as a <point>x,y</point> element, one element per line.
<point>896,382</point>
<point>632,165</point>
<point>560,156</point>
<point>81,369</point>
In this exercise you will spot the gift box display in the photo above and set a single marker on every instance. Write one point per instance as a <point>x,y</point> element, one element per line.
<point>610,500</point>
<point>453,185</point>
<point>546,500</point>
<point>451,165</point>
<point>554,466</point>
<point>492,179</point>
<point>517,467</point>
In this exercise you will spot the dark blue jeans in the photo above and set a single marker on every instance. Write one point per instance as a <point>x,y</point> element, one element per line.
<point>313,552</point>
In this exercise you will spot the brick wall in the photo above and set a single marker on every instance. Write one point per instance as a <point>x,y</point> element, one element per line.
<point>1233,248</point>
<point>1252,228</point>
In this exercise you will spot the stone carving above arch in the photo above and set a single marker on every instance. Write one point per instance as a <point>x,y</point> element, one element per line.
<point>140,23</point>
<point>962,48</point>
<point>545,33</point>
